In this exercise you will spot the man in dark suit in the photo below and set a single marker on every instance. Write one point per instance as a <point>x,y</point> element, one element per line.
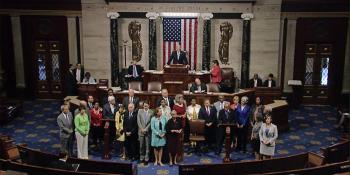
<point>109,111</point>
<point>131,99</point>
<point>90,102</point>
<point>71,82</point>
<point>168,100</point>
<point>255,81</point>
<point>178,56</point>
<point>65,122</point>
<point>198,86</point>
<point>208,113</point>
<point>79,73</point>
<point>270,82</point>
<point>135,71</point>
<point>226,116</point>
<point>131,129</point>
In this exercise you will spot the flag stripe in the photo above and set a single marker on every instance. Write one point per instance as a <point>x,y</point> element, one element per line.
<point>184,31</point>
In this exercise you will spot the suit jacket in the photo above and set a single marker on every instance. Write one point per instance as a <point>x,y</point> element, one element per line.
<point>226,117</point>
<point>217,107</point>
<point>142,122</point>
<point>66,125</point>
<point>242,116</point>
<point>107,111</point>
<point>81,74</point>
<point>251,83</point>
<point>135,100</point>
<point>174,60</point>
<point>130,123</point>
<point>273,83</point>
<point>271,135</point>
<point>71,83</point>
<point>139,70</point>
<point>171,102</point>
<point>90,106</point>
<point>194,87</point>
<point>211,118</point>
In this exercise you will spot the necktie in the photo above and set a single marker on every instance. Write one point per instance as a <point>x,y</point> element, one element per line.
<point>130,101</point>
<point>208,112</point>
<point>144,118</point>
<point>194,114</point>
<point>178,55</point>
<point>134,72</point>
<point>167,101</point>
<point>221,106</point>
<point>199,88</point>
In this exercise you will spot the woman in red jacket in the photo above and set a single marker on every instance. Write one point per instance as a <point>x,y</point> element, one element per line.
<point>215,72</point>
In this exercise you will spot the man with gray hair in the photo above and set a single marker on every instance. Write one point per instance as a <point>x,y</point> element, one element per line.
<point>65,123</point>
<point>242,118</point>
<point>109,111</point>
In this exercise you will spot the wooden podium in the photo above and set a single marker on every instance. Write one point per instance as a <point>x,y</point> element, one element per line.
<point>106,148</point>
<point>176,68</point>
<point>228,130</point>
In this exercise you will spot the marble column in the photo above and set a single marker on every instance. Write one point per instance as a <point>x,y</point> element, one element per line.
<point>115,80</point>
<point>18,54</point>
<point>206,40</point>
<point>290,49</point>
<point>152,40</point>
<point>245,49</point>
<point>72,40</point>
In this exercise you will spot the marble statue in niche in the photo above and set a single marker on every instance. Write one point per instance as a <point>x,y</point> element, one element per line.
<point>134,30</point>
<point>226,31</point>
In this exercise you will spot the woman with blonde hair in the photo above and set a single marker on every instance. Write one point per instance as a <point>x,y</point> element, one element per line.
<point>120,135</point>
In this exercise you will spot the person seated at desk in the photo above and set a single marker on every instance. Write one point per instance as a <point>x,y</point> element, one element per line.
<point>135,71</point>
<point>168,100</point>
<point>216,72</point>
<point>255,81</point>
<point>198,86</point>
<point>270,82</point>
<point>178,56</point>
<point>131,99</point>
<point>88,79</point>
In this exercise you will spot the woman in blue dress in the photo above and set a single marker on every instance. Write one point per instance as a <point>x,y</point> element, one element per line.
<point>158,135</point>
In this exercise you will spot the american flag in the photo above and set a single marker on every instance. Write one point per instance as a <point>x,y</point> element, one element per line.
<point>183,30</point>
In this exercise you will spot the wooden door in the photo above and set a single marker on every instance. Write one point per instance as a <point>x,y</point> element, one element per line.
<point>317,60</point>
<point>45,52</point>
<point>48,68</point>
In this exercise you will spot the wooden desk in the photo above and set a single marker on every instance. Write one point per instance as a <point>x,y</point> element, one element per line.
<point>162,77</point>
<point>267,94</point>
<point>279,114</point>
<point>87,89</point>
<point>153,96</point>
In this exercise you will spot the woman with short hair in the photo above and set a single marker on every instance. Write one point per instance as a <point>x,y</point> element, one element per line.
<point>82,127</point>
<point>268,134</point>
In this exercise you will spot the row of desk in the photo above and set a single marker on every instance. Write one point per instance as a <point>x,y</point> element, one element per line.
<point>270,97</point>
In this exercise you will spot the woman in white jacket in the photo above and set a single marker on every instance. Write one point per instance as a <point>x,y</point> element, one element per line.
<point>268,134</point>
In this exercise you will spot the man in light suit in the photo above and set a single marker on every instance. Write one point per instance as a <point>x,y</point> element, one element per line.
<point>143,122</point>
<point>65,123</point>
<point>131,99</point>
<point>178,56</point>
<point>220,104</point>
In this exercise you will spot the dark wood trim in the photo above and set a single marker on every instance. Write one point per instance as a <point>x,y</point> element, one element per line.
<point>77,24</point>
<point>41,4</point>
<point>7,56</point>
<point>184,1</point>
<point>227,15</point>
<point>132,14</point>
<point>284,45</point>
<point>315,7</point>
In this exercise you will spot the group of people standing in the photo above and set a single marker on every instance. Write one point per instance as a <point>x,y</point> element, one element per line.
<point>137,128</point>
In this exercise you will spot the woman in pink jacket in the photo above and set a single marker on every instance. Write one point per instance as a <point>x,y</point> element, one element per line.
<point>215,72</point>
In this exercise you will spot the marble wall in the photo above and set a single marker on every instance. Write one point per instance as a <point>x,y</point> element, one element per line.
<point>123,35</point>
<point>235,43</point>
<point>265,31</point>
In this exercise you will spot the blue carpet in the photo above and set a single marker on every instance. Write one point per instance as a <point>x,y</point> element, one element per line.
<point>311,127</point>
